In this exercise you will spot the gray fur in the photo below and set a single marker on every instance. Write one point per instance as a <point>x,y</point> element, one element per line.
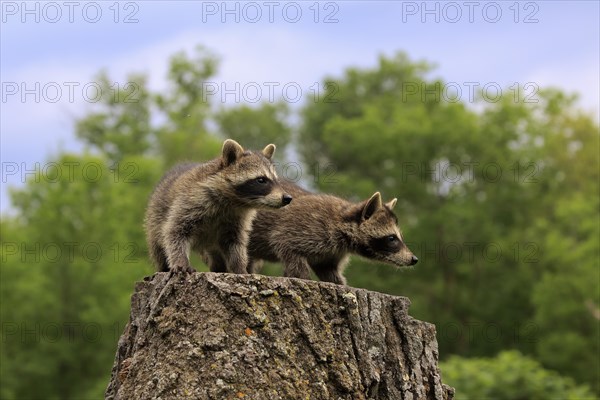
<point>319,232</point>
<point>199,207</point>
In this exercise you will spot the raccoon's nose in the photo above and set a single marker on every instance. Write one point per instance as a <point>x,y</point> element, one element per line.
<point>414,260</point>
<point>286,199</point>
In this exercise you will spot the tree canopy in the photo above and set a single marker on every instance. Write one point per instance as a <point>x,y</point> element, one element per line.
<point>498,199</point>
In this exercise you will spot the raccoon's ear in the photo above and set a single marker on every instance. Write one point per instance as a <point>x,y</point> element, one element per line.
<point>269,150</point>
<point>231,151</point>
<point>373,204</point>
<point>392,203</point>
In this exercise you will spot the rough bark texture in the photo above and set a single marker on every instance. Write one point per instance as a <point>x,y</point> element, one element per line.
<point>224,336</point>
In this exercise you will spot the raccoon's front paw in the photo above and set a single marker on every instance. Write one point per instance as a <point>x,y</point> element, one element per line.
<point>186,269</point>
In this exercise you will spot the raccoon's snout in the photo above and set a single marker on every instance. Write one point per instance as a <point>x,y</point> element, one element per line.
<point>414,260</point>
<point>286,199</point>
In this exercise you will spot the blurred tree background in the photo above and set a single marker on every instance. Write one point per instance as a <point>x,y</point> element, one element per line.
<point>499,199</point>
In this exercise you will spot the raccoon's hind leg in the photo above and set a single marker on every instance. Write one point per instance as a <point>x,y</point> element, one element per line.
<point>234,246</point>
<point>254,266</point>
<point>215,261</point>
<point>296,267</point>
<point>331,270</point>
<point>236,259</point>
<point>328,274</point>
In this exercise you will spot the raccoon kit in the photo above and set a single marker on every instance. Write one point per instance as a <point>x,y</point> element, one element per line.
<point>209,208</point>
<point>320,231</point>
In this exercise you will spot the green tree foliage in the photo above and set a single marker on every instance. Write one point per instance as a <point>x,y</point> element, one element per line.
<point>492,199</point>
<point>75,245</point>
<point>498,199</point>
<point>566,297</point>
<point>184,109</point>
<point>509,376</point>
<point>256,126</point>
<point>70,258</point>
<point>122,125</point>
<point>170,125</point>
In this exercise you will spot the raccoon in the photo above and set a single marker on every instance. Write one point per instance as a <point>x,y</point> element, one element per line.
<point>320,231</point>
<point>209,208</point>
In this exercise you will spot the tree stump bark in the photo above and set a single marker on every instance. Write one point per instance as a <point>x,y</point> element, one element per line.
<point>224,336</point>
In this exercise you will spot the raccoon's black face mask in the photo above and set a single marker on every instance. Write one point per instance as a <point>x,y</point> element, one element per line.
<point>386,244</point>
<point>379,248</point>
<point>255,187</point>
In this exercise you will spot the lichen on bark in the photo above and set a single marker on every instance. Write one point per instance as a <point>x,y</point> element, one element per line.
<point>224,336</point>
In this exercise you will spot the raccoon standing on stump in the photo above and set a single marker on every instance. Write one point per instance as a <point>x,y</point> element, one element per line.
<point>209,208</point>
<point>320,232</point>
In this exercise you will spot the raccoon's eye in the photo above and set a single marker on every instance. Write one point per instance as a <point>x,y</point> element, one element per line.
<point>262,180</point>
<point>392,238</point>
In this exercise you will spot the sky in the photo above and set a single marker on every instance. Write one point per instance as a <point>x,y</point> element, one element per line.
<point>52,51</point>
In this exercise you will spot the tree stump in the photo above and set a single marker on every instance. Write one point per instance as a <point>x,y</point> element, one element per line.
<point>225,336</point>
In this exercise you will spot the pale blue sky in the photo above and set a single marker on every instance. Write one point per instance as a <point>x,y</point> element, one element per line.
<point>559,46</point>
